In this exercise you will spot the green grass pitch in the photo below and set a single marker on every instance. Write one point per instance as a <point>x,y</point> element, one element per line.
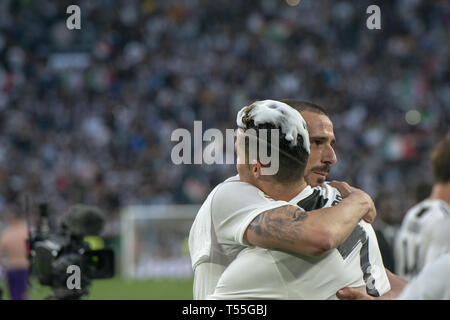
<point>121,289</point>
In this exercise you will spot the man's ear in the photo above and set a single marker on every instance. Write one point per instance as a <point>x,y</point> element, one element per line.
<point>256,168</point>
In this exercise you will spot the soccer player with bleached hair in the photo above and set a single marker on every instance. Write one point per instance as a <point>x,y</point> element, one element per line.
<point>311,254</point>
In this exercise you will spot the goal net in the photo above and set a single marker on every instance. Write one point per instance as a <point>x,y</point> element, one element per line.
<point>154,241</point>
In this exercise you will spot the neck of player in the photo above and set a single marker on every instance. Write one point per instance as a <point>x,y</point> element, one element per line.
<point>280,191</point>
<point>441,191</point>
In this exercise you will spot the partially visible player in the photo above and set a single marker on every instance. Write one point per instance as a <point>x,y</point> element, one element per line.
<point>412,242</point>
<point>423,239</point>
<point>13,250</point>
<point>432,282</point>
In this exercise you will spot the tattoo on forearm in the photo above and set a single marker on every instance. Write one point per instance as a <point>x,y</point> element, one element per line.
<point>281,223</point>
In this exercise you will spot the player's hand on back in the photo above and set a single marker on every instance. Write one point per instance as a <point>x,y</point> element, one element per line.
<point>346,190</point>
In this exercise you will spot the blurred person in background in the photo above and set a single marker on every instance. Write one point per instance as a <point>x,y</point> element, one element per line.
<point>13,254</point>
<point>412,242</point>
<point>424,238</point>
<point>433,281</point>
<point>389,220</point>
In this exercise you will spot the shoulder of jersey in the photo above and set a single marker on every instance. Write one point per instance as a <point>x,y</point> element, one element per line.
<point>233,178</point>
<point>428,207</point>
<point>440,206</point>
<point>445,208</point>
<point>234,186</point>
<point>223,186</point>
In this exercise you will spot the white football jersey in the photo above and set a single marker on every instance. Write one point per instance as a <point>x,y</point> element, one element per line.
<point>414,237</point>
<point>216,235</point>
<point>258,273</point>
<point>216,239</point>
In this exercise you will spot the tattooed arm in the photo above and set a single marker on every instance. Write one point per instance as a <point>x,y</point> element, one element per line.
<point>289,228</point>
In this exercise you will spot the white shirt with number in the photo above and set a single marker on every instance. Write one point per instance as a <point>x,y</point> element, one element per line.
<point>413,242</point>
<point>248,272</point>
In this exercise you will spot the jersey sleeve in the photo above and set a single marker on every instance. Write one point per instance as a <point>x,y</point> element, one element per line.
<point>234,206</point>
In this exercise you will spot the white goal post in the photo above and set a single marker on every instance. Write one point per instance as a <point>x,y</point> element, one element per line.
<point>154,241</point>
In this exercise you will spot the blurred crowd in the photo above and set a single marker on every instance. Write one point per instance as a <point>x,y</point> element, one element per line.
<point>87,115</point>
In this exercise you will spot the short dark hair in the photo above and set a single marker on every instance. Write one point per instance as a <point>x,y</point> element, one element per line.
<point>292,159</point>
<point>301,105</point>
<point>440,160</point>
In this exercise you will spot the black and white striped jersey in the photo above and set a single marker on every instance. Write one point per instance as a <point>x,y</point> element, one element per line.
<point>415,235</point>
